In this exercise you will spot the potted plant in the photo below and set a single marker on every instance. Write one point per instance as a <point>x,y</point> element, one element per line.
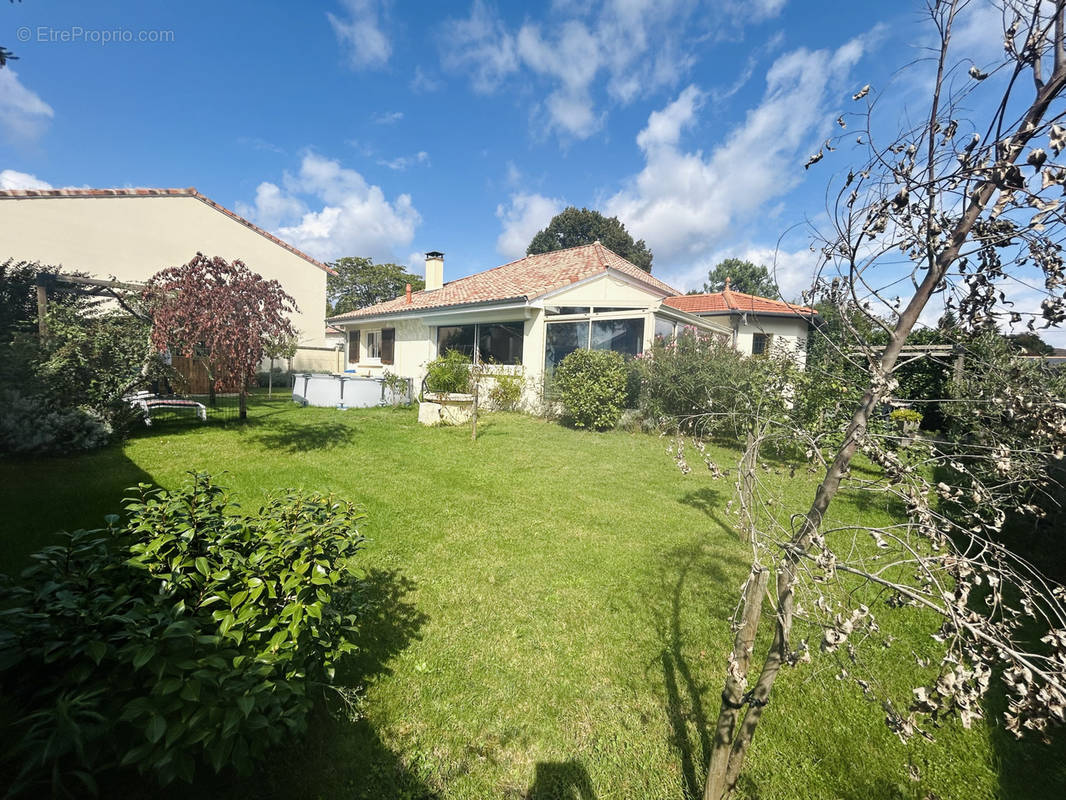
<point>907,421</point>
<point>447,399</point>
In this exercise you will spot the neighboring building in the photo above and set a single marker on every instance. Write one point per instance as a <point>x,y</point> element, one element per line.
<point>534,311</point>
<point>130,234</point>
<point>757,324</point>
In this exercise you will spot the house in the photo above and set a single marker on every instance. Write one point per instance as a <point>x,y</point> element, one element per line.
<point>130,234</point>
<point>757,325</point>
<point>534,311</point>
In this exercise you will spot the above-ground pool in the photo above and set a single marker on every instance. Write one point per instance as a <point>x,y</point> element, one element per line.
<point>344,391</point>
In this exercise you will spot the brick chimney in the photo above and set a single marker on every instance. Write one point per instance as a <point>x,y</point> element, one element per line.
<point>407,294</point>
<point>434,270</point>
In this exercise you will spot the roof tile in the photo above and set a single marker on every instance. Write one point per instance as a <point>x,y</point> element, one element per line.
<point>523,279</point>
<point>728,300</point>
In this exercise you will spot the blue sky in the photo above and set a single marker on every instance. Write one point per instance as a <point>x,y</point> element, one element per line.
<point>385,129</point>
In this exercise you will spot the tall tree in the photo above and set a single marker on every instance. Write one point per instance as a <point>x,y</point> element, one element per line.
<point>359,283</point>
<point>743,276</point>
<point>221,312</point>
<point>970,196</point>
<point>573,227</point>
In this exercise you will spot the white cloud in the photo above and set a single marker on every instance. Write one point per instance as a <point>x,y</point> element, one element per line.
<point>12,179</point>
<point>481,44</point>
<point>403,162</point>
<point>386,117</point>
<point>368,46</point>
<point>684,203</point>
<point>24,116</point>
<point>353,217</point>
<point>632,47</point>
<point>423,82</point>
<point>523,217</point>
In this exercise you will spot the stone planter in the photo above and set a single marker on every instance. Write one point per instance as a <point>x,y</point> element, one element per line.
<point>445,409</point>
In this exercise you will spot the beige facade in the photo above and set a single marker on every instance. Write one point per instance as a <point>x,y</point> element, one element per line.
<point>608,296</point>
<point>130,237</point>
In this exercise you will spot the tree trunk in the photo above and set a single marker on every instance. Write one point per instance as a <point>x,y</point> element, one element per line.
<point>270,380</point>
<point>733,697</point>
<point>473,411</point>
<point>243,415</point>
<point>827,490</point>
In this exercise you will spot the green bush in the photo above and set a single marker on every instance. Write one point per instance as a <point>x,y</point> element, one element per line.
<point>32,424</point>
<point>193,633</point>
<point>592,387</point>
<point>506,391</point>
<point>449,373</point>
<point>905,415</point>
<point>689,377</point>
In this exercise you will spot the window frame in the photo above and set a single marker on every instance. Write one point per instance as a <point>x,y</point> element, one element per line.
<point>476,358</point>
<point>767,342</point>
<point>375,337</point>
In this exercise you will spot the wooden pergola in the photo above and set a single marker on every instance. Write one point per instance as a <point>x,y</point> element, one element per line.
<point>74,284</point>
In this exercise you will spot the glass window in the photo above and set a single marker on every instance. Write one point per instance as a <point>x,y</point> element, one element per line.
<point>373,345</point>
<point>552,310</point>
<point>760,344</point>
<point>456,337</point>
<point>664,328</point>
<point>609,309</point>
<point>624,336</point>
<point>500,342</point>
<point>561,339</point>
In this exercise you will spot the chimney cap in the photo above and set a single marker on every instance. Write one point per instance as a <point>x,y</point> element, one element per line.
<point>434,254</point>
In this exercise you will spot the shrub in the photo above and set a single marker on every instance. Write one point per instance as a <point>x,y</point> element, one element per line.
<point>193,633</point>
<point>506,391</point>
<point>449,373</point>
<point>690,376</point>
<point>906,415</point>
<point>31,424</point>
<point>592,387</point>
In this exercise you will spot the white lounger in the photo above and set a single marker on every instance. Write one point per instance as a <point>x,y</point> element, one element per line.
<point>146,401</point>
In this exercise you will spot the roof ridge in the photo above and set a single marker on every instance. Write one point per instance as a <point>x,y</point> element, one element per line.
<point>88,192</point>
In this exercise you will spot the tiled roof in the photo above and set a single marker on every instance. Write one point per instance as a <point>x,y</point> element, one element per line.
<point>728,301</point>
<point>36,194</point>
<point>524,279</point>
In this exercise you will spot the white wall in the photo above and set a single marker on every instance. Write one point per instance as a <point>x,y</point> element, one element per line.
<point>132,238</point>
<point>789,335</point>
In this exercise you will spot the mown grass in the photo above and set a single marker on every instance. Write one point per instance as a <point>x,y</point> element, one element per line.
<point>553,617</point>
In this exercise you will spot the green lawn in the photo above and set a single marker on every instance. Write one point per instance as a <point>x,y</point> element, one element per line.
<point>553,617</point>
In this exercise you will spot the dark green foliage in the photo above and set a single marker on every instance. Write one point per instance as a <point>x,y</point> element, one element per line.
<point>65,393</point>
<point>688,377</point>
<point>1031,343</point>
<point>30,424</point>
<point>359,283</point>
<point>573,227</point>
<point>193,633</point>
<point>592,387</point>
<point>449,373</point>
<point>744,276</point>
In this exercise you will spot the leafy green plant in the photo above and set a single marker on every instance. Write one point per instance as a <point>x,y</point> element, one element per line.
<point>903,416</point>
<point>506,391</point>
<point>397,388</point>
<point>194,632</point>
<point>449,373</point>
<point>592,387</point>
<point>31,424</point>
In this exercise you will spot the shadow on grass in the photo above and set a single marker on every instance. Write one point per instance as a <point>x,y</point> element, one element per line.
<point>299,436</point>
<point>687,569</point>
<point>561,780</point>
